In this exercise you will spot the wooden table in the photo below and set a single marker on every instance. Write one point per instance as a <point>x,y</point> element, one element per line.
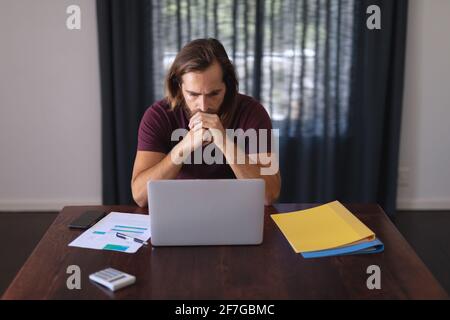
<point>269,271</point>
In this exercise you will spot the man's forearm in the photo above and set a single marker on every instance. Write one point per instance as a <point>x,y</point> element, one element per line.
<point>250,169</point>
<point>167,168</point>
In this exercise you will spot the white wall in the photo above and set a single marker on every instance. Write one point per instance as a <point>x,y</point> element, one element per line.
<point>49,106</point>
<point>425,139</point>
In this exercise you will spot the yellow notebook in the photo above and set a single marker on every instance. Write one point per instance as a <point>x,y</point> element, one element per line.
<point>324,227</point>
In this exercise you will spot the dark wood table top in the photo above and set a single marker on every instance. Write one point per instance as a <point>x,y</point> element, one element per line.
<point>268,271</point>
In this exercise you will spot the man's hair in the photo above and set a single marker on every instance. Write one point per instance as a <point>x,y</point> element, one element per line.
<point>197,56</point>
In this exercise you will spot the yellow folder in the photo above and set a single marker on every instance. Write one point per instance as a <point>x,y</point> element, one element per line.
<point>324,227</point>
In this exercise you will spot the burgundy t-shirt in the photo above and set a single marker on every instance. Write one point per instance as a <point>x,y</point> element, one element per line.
<point>159,121</point>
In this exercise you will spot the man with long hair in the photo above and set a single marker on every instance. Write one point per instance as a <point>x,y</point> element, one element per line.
<point>203,101</point>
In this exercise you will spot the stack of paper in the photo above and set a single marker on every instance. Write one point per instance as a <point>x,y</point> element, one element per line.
<point>327,230</point>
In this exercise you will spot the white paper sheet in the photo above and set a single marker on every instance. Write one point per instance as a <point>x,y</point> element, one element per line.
<point>102,236</point>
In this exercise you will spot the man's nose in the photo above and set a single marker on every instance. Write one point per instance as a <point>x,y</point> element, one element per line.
<point>203,106</point>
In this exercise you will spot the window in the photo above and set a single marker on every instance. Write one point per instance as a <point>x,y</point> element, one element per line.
<point>306,56</point>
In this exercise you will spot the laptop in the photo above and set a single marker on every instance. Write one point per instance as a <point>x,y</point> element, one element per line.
<point>206,212</point>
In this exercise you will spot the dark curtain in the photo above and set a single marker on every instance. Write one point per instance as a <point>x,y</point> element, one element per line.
<point>125,46</point>
<point>354,158</point>
<point>333,88</point>
<point>377,92</point>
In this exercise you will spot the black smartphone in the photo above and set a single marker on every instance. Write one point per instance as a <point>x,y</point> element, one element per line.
<point>87,220</point>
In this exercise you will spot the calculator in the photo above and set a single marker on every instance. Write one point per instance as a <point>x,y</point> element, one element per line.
<point>113,279</point>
